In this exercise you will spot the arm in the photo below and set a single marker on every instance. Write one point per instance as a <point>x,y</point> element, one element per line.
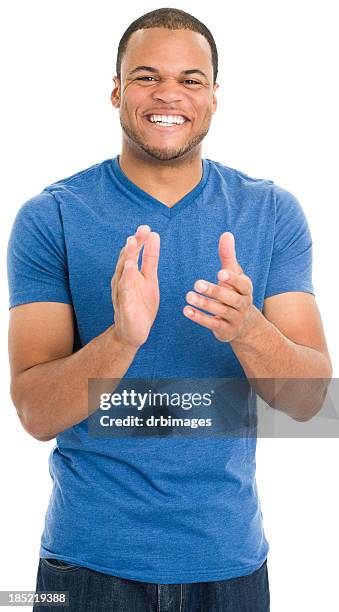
<point>278,347</point>
<point>283,351</point>
<point>49,384</point>
<point>285,343</point>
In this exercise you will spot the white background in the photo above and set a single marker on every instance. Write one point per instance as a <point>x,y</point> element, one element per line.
<point>277,119</point>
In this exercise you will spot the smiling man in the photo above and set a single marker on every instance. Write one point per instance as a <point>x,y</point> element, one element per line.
<point>158,521</point>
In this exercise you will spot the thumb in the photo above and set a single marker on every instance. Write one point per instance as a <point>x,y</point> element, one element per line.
<point>227,253</point>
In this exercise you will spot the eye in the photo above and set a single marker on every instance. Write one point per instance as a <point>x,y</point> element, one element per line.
<point>191,82</point>
<point>144,77</point>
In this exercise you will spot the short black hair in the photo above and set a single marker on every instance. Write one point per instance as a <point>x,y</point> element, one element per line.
<point>172,19</point>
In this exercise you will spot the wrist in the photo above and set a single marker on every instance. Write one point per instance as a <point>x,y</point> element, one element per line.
<point>251,329</point>
<point>120,344</point>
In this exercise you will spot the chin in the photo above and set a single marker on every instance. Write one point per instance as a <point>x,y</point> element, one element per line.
<point>164,154</point>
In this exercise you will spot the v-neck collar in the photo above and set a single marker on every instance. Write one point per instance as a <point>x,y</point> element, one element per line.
<point>145,199</point>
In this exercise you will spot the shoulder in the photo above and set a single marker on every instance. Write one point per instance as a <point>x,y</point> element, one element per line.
<point>46,204</point>
<point>236,177</point>
<point>280,198</point>
<point>81,181</point>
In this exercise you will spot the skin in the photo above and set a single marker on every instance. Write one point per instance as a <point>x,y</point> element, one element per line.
<point>49,383</point>
<point>165,162</point>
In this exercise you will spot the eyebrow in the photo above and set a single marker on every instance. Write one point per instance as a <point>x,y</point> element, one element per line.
<point>156,71</point>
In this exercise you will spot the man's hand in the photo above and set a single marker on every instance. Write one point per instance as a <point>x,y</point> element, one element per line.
<point>230,302</point>
<point>135,294</point>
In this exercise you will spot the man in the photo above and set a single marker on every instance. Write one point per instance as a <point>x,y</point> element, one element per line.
<point>224,290</point>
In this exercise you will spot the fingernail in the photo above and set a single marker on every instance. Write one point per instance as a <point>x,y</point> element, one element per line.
<point>201,286</point>
<point>223,275</point>
<point>193,298</point>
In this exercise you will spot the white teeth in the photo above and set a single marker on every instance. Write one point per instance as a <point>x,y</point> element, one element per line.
<point>167,119</point>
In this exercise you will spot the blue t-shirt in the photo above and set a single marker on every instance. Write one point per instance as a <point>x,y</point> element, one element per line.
<point>156,509</point>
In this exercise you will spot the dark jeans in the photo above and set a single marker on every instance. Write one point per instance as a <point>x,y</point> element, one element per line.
<point>91,591</point>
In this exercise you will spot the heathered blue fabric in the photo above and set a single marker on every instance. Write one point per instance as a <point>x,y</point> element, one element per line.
<point>173,509</point>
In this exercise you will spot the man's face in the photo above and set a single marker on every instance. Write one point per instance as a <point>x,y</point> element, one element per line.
<point>154,83</point>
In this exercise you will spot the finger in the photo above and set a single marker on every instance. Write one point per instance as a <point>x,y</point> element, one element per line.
<point>125,255</point>
<point>130,250</point>
<point>223,294</point>
<point>210,321</point>
<point>239,282</point>
<point>132,247</point>
<point>125,251</point>
<point>216,307</point>
<point>150,256</point>
<point>227,252</point>
<point>126,282</point>
<point>137,241</point>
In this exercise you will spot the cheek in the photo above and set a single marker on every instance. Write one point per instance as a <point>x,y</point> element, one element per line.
<point>133,104</point>
<point>204,110</point>
<point>205,117</point>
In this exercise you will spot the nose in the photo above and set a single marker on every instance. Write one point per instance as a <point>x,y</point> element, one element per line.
<point>167,90</point>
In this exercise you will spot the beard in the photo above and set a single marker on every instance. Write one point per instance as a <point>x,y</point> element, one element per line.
<point>165,153</point>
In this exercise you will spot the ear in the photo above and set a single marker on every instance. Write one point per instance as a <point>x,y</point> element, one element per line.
<point>214,102</point>
<point>115,95</point>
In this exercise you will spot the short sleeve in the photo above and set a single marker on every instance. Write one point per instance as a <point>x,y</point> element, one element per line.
<point>291,262</point>
<point>37,268</point>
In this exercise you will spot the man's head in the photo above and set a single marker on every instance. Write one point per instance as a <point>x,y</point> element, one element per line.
<point>167,65</point>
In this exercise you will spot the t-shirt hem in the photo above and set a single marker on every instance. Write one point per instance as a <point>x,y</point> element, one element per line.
<point>276,290</point>
<point>186,577</point>
<point>22,297</point>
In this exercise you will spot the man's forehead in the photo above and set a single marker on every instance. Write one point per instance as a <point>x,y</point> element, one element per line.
<point>162,44</point>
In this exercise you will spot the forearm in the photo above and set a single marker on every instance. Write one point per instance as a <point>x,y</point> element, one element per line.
<point>273,362</point>
<point>51,397</point>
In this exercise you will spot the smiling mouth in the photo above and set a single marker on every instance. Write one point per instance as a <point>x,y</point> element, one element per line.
<point>166,122</point>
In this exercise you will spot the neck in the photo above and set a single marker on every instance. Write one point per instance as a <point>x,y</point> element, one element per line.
<point>166,180</point>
